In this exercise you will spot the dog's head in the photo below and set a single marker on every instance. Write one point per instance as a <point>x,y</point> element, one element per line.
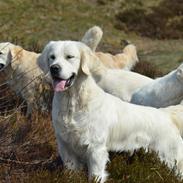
<point>4,55</point>
<point>9,54</point>
<point>63,61</point>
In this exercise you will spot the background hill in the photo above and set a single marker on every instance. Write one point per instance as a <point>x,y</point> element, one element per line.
<point>27,149</point>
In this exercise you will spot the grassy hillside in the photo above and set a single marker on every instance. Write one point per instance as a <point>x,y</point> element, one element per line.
<point>36,21</point>
<point>28,151</point>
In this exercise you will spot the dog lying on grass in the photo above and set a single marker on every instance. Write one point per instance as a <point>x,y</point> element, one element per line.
<point>89,122</point>
<point>125,60</point>
<point>162,92</point>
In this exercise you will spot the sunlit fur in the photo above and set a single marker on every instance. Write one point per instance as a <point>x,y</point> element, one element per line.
<point>89,123</point>
<point>21,72</point>
<point>92,37</point>
<point>124,60</point>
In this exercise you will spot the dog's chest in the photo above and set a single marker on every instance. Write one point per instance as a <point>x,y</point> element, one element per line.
<point>69,121</point>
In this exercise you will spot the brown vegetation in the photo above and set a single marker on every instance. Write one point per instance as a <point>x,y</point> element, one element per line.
<point>164,21</point>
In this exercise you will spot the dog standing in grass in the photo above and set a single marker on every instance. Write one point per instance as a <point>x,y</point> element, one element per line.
<point>89,122</point>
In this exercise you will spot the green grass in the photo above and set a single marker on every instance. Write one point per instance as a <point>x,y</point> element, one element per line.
<point>32,23</point>
<point>36,21</point>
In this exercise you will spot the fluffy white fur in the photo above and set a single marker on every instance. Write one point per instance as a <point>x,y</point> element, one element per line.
<point>162,92</point>
<point>89,122</point>
<point>92,37</point>
<point>120,83</point>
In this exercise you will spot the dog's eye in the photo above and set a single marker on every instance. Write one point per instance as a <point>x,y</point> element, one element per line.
<point>1,52</point>
<point>52,57</point>
<point>69,56</point>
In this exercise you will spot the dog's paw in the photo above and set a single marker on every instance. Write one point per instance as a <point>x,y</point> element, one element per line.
<point>99,178</point>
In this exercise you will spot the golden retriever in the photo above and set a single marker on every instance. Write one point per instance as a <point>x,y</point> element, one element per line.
<point>89,123</point>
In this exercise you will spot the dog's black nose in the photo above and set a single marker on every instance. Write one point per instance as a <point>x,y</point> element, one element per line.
<point>55,69</point>
<point>1,66</point>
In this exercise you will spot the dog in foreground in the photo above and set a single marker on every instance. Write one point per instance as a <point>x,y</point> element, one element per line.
<point>89,123</point>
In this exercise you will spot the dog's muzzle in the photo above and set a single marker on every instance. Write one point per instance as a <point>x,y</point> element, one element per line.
<point>60,84</point>
<point>2,66</point>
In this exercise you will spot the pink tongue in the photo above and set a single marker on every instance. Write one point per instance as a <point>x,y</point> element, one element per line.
<point>59,85</point>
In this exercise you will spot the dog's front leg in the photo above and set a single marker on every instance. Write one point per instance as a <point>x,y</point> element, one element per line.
<point>68,157</point>
<point>97,160</point>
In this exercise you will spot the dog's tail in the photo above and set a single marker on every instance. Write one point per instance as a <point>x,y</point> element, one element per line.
<point>131,52</point>
<point>92,37</point>
<point>176,114</point>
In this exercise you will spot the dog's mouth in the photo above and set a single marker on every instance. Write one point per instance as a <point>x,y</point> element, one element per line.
<point>60,84</point>
<point>1,66</point>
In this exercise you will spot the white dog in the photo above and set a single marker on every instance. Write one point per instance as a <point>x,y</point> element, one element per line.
<point>89,122</point>
<point>162,92</point>
<point>120,83</point>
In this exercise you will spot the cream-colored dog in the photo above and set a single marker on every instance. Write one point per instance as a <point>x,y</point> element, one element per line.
<point>20,71</point>
<point>125,60</point>
<point>89,122</point>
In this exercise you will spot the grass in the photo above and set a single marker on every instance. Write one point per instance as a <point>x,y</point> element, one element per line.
<point>28,150</point>
<point>29,22</point>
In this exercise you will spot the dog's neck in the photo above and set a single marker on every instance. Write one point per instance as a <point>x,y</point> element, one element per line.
<point>98,69</point>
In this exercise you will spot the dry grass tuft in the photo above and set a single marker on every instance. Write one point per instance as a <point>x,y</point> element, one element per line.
<point>147,69</point>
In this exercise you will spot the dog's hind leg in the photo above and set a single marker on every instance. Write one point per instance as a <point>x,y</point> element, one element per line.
<point>170,149</point>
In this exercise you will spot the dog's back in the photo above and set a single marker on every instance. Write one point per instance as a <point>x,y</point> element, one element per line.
<point>162,92</point>
<point>125,60</point>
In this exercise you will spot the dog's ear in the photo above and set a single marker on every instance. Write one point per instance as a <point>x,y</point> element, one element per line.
<point>42,60</point>
<point>90,63</point>
<point>179,72</point>
<point>85,61</point>
<point>14,56</point>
